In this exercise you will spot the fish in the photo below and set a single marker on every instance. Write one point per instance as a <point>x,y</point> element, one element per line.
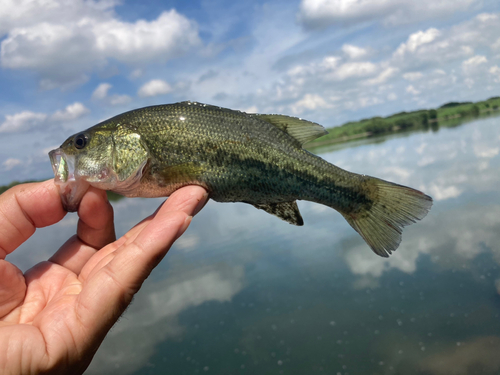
<point>257,159</point>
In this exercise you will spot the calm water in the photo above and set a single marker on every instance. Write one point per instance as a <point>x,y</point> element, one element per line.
<point>244,293</point>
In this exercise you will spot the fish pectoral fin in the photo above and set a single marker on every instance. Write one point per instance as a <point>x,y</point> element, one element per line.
<point>302,130</point>
<point>288,211</point>
<point>181,173</point>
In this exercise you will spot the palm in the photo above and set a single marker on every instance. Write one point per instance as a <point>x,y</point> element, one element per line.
<point>55,316</point>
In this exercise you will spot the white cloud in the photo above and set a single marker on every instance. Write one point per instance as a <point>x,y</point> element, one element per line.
<point>469,82</point>
<point>412,76</point>
<point>136,74</point>
<point>22,121</point>
<point>251,109</point>
<point>65,51</point>
<point>22,13</point>
<point>496,45</point>
<point>416,40</point>
<point>495,70</point>
<point>321,13</point>
<point>471,64</point>
<point>383,76</point>
<point>441,193</point>
<point>11,163</point>
<point>354,52</point>
<point>330,62</point>
<point>101,91</point>
<point>101,94</point>
<point>433,48</point>
<point>70,113</point>
<point>27,120</point>
<point>353,69</point>
<point>435,54</point>
<point>309,102</point>
<point>171,34</point>
<point>412,90</point>
<point>119,99</point>
<point>154,87</point>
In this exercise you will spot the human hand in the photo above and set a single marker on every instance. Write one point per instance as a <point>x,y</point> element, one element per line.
<point>54,317</point>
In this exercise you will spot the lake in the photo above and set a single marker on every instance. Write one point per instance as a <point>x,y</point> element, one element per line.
<point>243,292</point>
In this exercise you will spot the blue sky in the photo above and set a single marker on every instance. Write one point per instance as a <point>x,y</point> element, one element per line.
<point>68,64</point>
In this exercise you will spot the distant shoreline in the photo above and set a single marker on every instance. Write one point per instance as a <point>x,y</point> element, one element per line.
<point>446,115</point>
<point>403,121</point>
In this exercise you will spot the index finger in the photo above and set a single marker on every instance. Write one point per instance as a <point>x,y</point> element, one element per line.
<point>24,208</point>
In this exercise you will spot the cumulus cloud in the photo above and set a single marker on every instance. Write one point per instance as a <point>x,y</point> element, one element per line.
<point>101,91</point>
<point>65,50</point>
<point>154,87</point>
<point>383,76</point>
<point>22,121</point>
<point>433,47</point>
<point>412,90</point>
<point>22,13</point>
<point>495,71</point>
<point>354,52</point>
<point>11,163</point>
<point>472,65</point>
<point>416,40</point>
<point>315,14</point>
<point>170,35</point>
<point>27,120</point>
<point>310,102</point>
<point>446,57</point>
<point>353,69</point>
<point>101,94</point>
<point>70,113</point>
<point>119,99</point>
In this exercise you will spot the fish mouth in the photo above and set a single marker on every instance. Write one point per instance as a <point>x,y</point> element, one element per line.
<point>71,187</point>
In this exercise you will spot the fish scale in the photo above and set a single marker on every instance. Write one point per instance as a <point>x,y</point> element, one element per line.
<point>237,157</point>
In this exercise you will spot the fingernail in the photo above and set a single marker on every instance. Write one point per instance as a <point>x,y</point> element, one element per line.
<point>203,201</point>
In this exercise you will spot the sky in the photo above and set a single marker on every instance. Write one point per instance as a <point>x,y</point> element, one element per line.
<point>66,65</point>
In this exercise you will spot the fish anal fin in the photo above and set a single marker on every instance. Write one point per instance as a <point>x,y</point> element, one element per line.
<point>287,211</point>
<point>302,130</point>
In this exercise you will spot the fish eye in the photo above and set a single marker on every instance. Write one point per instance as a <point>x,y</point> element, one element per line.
<point>81,140</point>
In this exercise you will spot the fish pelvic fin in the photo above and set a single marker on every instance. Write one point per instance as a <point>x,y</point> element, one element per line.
<point>288,211</point>
<point>393,207</point>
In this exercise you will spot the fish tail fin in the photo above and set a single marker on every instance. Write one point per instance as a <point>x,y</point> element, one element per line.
<point>392,207</point>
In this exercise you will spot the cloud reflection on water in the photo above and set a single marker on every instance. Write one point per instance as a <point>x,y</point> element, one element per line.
<point>476,356</point>
<point>460,231</point>
<point>153,316</point>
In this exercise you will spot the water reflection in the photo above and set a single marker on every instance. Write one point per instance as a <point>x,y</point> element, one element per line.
<point>244,292</point>
<point>154,315</point>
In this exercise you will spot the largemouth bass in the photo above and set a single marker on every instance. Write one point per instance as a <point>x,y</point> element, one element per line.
<point>237,157</point>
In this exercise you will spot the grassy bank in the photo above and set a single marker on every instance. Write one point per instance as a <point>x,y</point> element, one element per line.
<point>407,120</point>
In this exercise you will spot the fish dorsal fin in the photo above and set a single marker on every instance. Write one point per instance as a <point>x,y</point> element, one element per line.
<point>302,130</point>
<point>288,211</point>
